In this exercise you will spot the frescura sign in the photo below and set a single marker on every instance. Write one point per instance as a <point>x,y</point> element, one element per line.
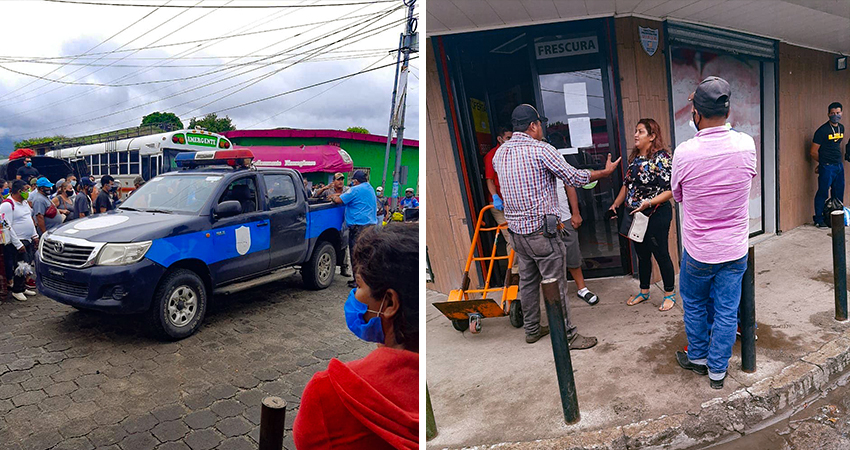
<point>566,47</point>
<point>200,139</point>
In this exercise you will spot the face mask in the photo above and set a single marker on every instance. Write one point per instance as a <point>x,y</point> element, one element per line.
<point>69,193</point>
<point>835,118</point>
<point>73,183</point>
<point>29,164</point>
<point>370,331</point>
<point>694,121</point>
<point>25,195</point>
<point>408,195</point>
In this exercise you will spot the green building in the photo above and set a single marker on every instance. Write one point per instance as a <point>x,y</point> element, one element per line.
<point>367,151</point>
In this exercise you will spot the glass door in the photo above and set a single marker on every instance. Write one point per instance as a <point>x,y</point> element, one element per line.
<point>574,102</point>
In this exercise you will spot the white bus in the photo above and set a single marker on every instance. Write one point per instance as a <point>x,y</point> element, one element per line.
<point>147,156</point>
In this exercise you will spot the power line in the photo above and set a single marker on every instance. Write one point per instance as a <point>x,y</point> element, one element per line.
<point>96,46</point>
<point>196,41</point>
<point>76,2</point>
<point>122,46</point>
<point>353,54</point>
<point>311,98</point>
<point>379,29</point>
<point>196,87</point>
<point>189,51</point>
<point>112,126</point>
<point>306,87</point>
<point>246,86</point>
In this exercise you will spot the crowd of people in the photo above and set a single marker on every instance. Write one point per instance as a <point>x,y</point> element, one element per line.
<point>709,176</point>
<point>31,207</point>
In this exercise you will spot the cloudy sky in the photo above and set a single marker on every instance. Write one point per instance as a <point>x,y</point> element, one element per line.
<point>104,67</point>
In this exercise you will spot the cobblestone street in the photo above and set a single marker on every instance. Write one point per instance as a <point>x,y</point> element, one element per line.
<point>81,380</point>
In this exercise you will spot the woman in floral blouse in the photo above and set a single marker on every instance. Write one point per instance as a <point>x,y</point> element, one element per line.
<point>647,188</point>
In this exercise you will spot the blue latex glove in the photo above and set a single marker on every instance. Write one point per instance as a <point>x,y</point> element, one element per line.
<point>497,202</point>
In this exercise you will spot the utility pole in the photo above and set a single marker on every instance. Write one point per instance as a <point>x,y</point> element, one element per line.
<point>409,43</point>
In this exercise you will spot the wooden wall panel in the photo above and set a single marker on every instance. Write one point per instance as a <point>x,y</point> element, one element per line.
<point>808,83</point>
<point>645,92</point>
<point>447,234</point>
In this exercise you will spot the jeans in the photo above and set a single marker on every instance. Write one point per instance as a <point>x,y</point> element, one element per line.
<point>540,258</point>
<point>702,286</point>
<point>655,243</point>
<point>830,176</point>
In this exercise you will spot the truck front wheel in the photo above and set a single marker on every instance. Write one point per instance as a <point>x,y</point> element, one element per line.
<point>318,273</point>
<point>179,305</point>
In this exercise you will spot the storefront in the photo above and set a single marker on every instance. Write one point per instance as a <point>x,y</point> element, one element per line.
<point>594,79</point>
<point>566,74</point>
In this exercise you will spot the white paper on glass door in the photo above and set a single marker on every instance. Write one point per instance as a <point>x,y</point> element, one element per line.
<point>575,98</point>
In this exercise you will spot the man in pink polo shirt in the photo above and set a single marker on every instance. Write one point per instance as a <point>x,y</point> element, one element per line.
<point>712,175</point>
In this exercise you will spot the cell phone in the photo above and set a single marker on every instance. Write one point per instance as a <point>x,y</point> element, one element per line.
<point>610,214</point>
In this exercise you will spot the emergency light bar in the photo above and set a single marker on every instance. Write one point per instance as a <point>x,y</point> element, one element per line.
<point>232,158</point>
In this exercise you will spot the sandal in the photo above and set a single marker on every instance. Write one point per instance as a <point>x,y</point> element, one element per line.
<point>672,298</point>
<point>634,300</point>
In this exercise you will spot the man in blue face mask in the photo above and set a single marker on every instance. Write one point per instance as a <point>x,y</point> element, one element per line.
<point>27,171</point>
<point>826,151</point>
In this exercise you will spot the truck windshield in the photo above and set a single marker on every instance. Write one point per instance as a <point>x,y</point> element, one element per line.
<point>179,194</point>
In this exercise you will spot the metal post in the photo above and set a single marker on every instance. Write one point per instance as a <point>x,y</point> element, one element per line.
<point>392,110</point>
<point>430,423</point>
<point>839,265</point>
<point>405,48</point>
<point>561,350</point>
<point>747,312</point>
<point>272,422</point>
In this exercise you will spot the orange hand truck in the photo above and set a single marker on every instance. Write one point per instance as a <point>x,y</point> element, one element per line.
<point>466,312</point>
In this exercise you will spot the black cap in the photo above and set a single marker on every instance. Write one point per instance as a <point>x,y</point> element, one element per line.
<point>712,97</point>
<point>359,175</point>
<point>523,115</point>
<point>86,181</point>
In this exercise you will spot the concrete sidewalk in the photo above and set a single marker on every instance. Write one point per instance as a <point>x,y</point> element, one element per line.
<point>493,388</point>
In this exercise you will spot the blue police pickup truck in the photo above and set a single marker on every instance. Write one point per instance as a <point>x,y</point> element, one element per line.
<point>187,235</point>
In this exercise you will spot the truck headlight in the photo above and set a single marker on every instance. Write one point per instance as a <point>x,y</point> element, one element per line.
<point>41,245</point>
<point>122,254</point>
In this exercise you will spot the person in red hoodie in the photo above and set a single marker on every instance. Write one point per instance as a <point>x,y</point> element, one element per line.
<point>372,403</point>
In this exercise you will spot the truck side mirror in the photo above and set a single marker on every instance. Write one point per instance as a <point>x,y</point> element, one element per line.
<point>228,208</point>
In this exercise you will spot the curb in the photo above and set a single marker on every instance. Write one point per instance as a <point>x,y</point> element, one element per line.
<point>740,411</point>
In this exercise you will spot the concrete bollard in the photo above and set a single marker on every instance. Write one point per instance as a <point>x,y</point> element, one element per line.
<point>747,311</point>
<point>272,422</point>
<point>561,350</point>
<point>839,265</point>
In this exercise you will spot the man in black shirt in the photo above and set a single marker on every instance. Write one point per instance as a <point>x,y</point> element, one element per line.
<point>103,202</point>
<point>27,171</point>
<point>826,150</point>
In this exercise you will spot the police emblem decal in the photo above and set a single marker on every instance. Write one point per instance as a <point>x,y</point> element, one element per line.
<point>649,39</point>
<point>243,240</point>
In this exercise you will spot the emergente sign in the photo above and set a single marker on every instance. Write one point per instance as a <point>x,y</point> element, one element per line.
<point>200,139</point>
<point>566,47</point>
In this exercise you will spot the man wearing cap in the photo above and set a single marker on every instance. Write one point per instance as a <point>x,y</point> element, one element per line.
<point>711,178</point>
<point>826,151</point>
<point>383,205</point>
<point>338,187</point>
<point>409,200</point>
<point>44,213</point>
<point>529,173</point>
<point>82,202</point>
<point>360,209</point>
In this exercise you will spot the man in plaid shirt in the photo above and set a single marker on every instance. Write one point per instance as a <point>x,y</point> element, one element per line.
<point>529,171</point>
